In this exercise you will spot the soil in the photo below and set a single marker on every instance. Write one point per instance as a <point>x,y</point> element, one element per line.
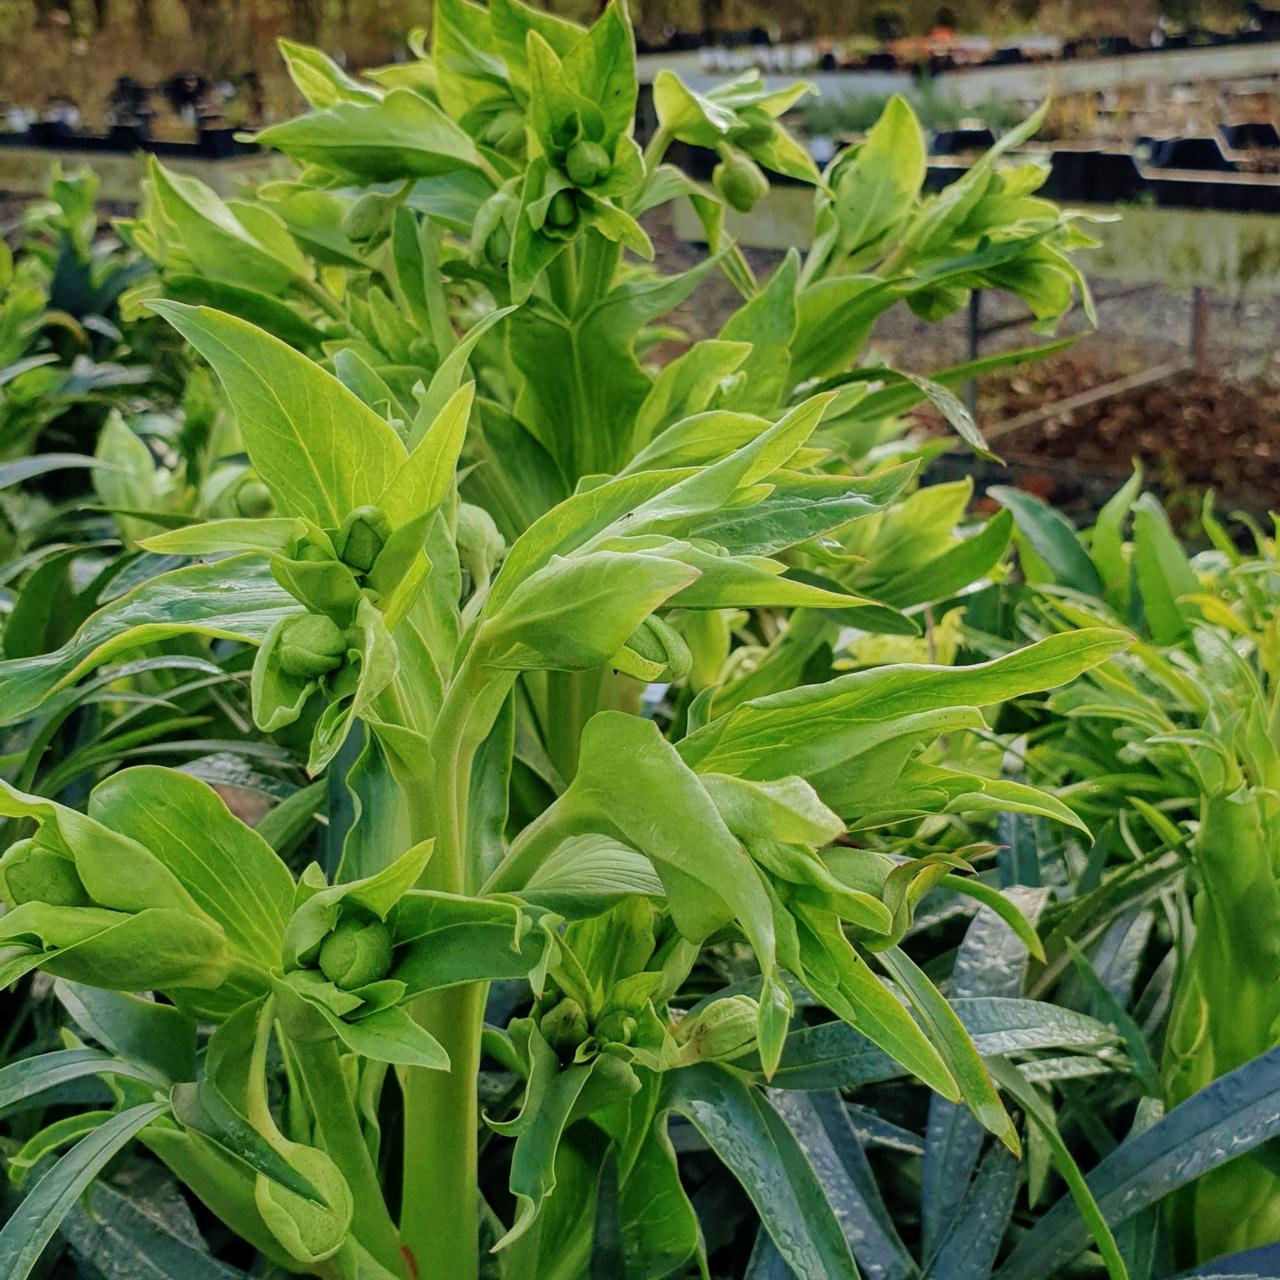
<point>1198,429</point>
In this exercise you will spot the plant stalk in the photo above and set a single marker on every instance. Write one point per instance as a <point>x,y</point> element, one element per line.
<point>440,1212</point>
<point>440,1209</point>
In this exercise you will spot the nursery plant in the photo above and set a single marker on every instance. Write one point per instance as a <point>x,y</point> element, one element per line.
<point>61,344</point>
<point>571,630</point>
<point>1171,753</point>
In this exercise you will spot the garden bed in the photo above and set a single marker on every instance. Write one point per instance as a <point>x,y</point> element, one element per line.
<point>1195,430</point>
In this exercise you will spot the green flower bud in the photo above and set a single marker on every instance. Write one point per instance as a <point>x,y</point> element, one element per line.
<point>480,544</point>
<point>562,212</point>
<point>361,538</point>
<point>587,163</point>
<point>253,499</point>
<point>616,1027</point>
<point>356,952</point>
<point>659,641</point>
<point>564,1026</point>
<point>312,646</point>
<point>310,553</point>
<point>497,248</point>
<point>370,217</point>
<point>35,874</point>
<point>724,1029</point>
<point>739,180</point>
<point>655,650</point>
<point>505,132</point>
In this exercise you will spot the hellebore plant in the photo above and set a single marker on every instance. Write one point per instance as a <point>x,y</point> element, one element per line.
<point>1180,739</point>
<point>560,623</point>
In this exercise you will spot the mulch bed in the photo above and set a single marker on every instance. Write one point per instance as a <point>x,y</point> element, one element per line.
<point>1196,430</point>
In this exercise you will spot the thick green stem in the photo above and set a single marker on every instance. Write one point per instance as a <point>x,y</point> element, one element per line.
<point>440,1212</point>
<point>562,281</point>
<point>567,702</point>
<point>1225,1009</point>
<point>572,698</point>
<point>657,148</point>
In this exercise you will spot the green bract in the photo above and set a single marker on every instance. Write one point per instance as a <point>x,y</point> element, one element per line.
<point>614,798</point>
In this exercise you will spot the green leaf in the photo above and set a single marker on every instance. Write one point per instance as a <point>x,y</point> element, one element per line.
<point>1106,546</point>
<point>874,190</point>
<point>447,379</point>
<point>26,1079</point>
<point>21,469</point>
<point>207,234</point>
<point>624,764</point>
<point>230,871</point>
<point>931,229</point>
<point>758,1148</point>
<point>768,322</point>
<point>947,403</point>
<point>251,304</point>
<point>50,1139</point>
<point>601,67</point>
<point>426,476</point>
<point>589,433</point>
<point>957,1049</point>
<point>447,940</point>
<point>1040,1113</point>
<point>822,1126</point>
<point>319,79</point>
<point>589,874</point>
<point>153,1236</point>
<point>139,1030</point>
<point>1164,573</point>
<point>813,728</point>
<point>578,611</point>
<point>968,1249</point>
<point>658,1223</point>
<point>235,599</point>
<point>1052,538</point>
<point>686,386</point>
<point>1224,1120</point>
<point>802,507</point>
<point>128,476</point>
<point>401,136</point>
<point>897,398</point>
<point>157,948</point>
<point>49,607</point>
<point>834,319</point>
<point>549,1099</point>
<point>319,449</point>
<point>390,1035</point>
<point>1001,905</point>
<point>221,537</point>
<point>835,1055</point>
<point>36,1220</point>
<point>946,574</point>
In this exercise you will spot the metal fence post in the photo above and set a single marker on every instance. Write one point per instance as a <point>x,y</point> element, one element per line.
<point>975,342</point>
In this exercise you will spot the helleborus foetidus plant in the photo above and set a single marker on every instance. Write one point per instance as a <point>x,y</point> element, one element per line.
<point>1176,746</point>
<point>494,530</point>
